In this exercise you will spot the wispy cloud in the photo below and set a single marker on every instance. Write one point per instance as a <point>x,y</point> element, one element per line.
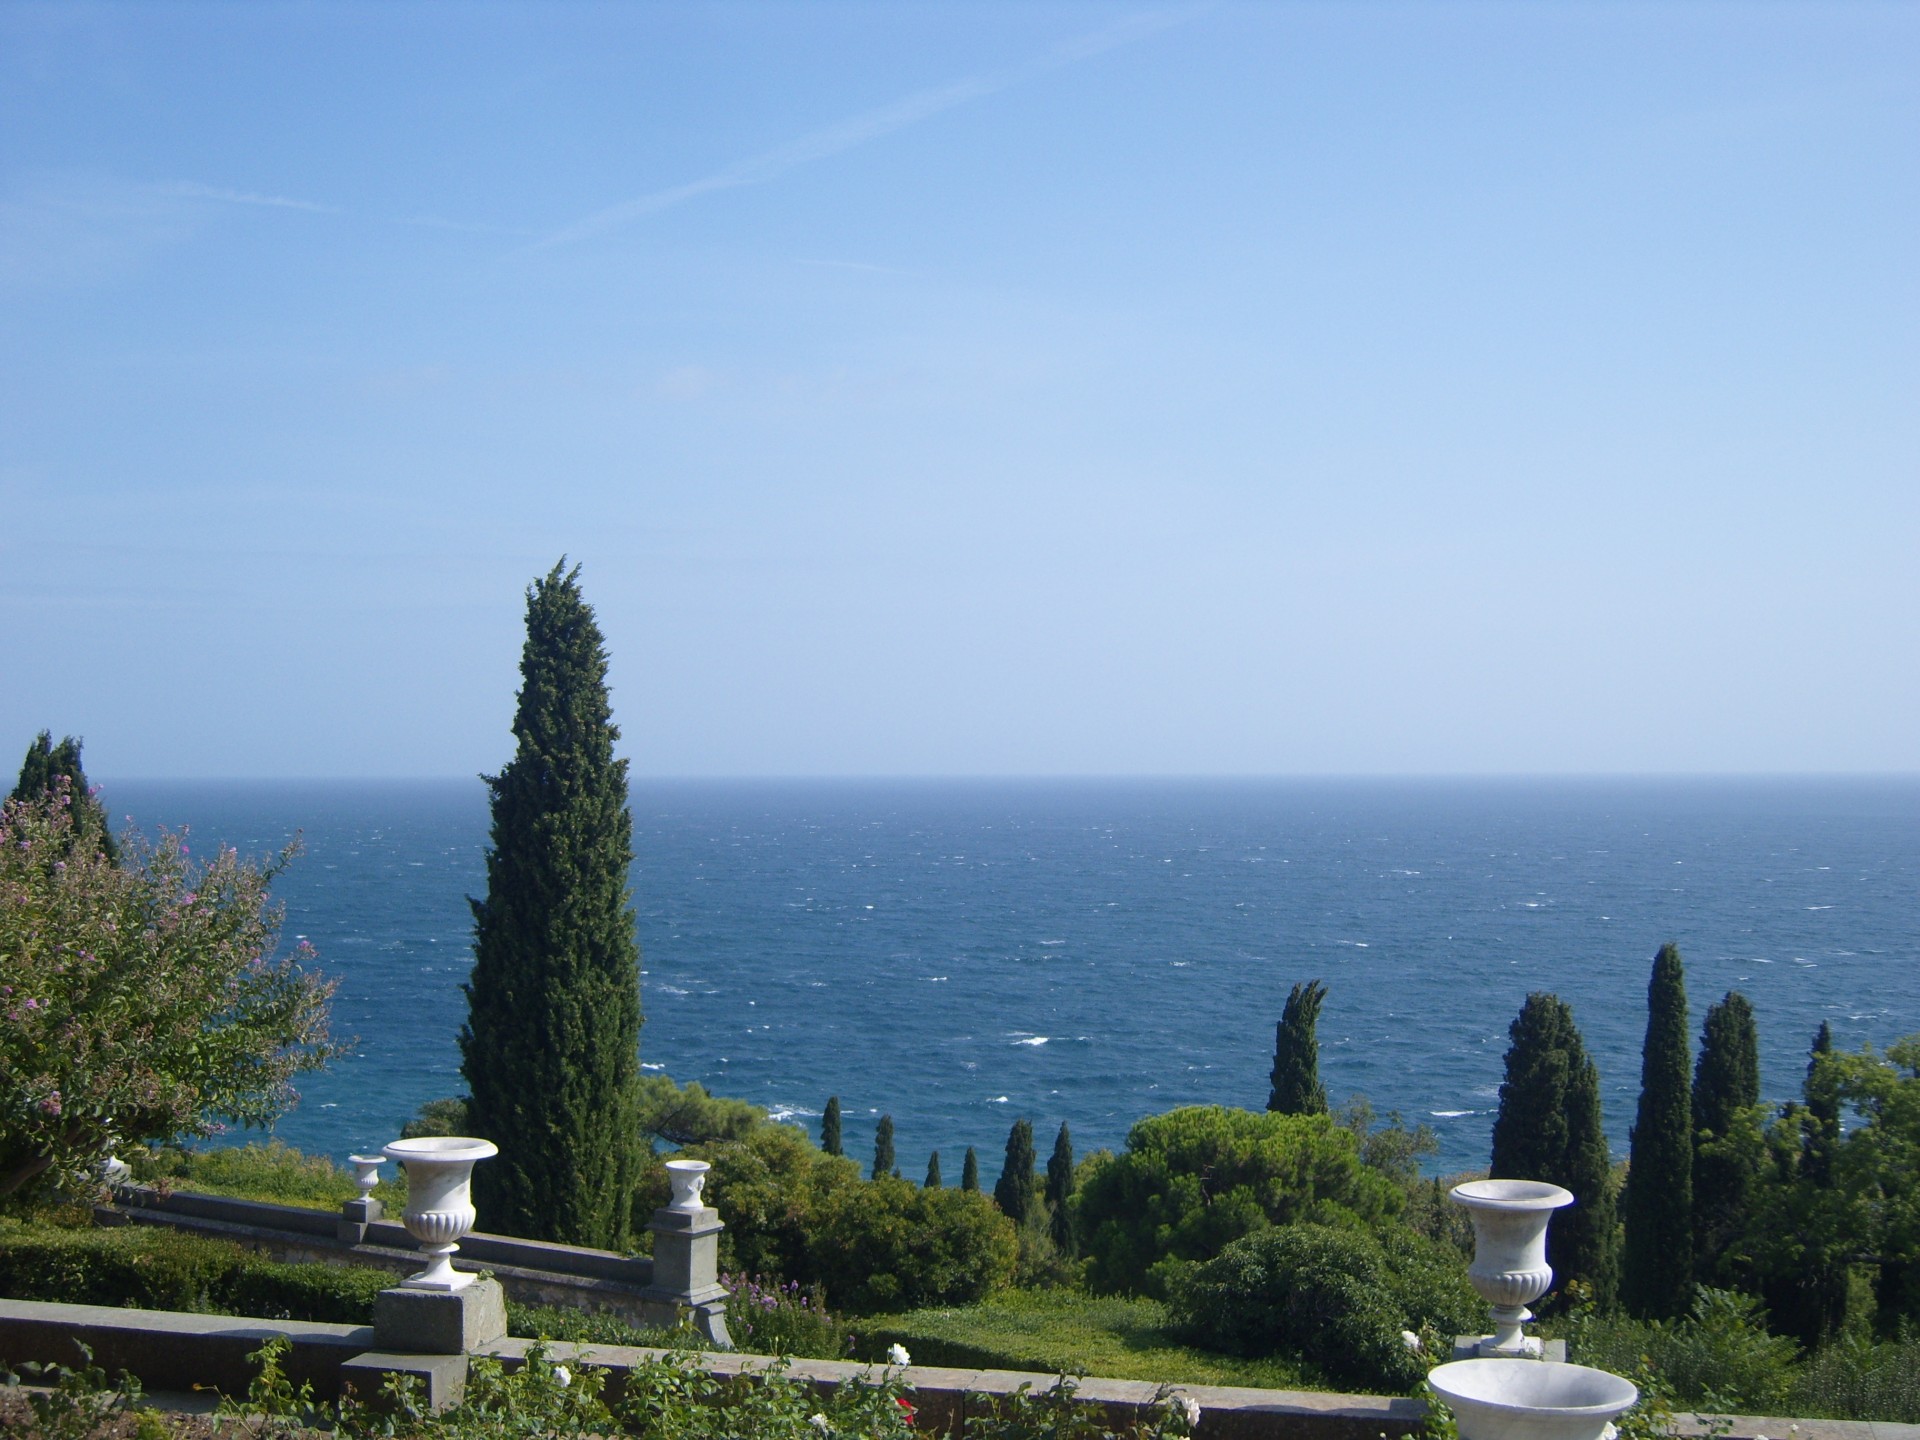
<point>857,130</point>
<point>188,190</point>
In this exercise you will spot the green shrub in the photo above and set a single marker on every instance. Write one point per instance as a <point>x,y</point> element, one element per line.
<point>158,1269</point>
<point>1856,1380</point>
<point>588,1327</point>
<point>1195,1179</point>
<point>888,1244</point>
<point>1334,1296</point>
<point>1719,1356</point>
<point>769,1184</point>
<point>767,1317</point>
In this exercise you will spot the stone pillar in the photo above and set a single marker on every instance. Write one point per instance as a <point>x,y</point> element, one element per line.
<point>686,1264</point>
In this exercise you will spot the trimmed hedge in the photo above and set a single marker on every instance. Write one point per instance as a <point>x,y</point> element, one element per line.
<point>155,1269</point>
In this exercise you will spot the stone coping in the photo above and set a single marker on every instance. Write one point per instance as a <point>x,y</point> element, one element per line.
<point>169,1350</point>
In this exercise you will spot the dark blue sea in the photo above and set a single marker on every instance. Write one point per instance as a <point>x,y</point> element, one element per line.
<point>959,954</point>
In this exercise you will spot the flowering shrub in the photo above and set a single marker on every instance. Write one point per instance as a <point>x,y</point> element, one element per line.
<point>767,1317</point>
<point>139,1001</point>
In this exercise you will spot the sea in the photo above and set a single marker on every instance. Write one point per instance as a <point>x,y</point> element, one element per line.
<point>961,954</point>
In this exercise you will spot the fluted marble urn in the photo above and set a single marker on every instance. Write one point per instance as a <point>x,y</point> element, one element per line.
<point>439,1202</point>
<point>1510,1267</point>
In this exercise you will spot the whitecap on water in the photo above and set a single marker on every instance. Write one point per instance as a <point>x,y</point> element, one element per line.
<point>997,1100</point>
<point>650,1065</point>
<point>1033,1040</point>
<point>1450,1114</point>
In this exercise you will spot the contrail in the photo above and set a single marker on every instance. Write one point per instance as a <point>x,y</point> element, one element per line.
<point>859,129</point>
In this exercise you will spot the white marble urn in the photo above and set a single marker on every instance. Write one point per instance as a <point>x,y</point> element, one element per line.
<point>687,1177</point>
<point>1494,1399</point>
<point>1510,1267</point>
<point>439,1202</point>
<point>366,1172</point>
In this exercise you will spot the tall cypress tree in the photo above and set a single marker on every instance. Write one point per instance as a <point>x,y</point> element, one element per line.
<point>1550,1128</point>
<point>1726,1082</point>
<point>883,1148</point>
<point>1821,1125</point>
<point>932,1182</point>
<point>1656,1279</point>
<point>1015,1191</point>
<point>830,1128</point>
<point>970,1172</point>
<point>551,1047</point>
<point>46,765</point>
<point>1296,1054</point>
<point>1059,1191</point>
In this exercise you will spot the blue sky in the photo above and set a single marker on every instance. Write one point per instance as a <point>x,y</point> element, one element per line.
<point>966,389</point>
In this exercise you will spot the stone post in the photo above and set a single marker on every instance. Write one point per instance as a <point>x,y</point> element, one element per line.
<point>686,1254</point>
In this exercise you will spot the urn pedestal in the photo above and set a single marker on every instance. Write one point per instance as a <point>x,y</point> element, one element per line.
<point>1510,1267</point>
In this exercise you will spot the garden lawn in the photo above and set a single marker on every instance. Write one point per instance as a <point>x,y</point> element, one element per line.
<point>1057,1331</point>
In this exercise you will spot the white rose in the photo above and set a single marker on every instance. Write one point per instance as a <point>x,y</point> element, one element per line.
<point>1411,1341</point>
<point>1190,1407</point>
<point>563,1376</point>
<point>897,1355</point>
<point>820,1423</point>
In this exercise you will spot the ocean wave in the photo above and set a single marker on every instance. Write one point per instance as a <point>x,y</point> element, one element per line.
<point>1033,1040</point>
<point>1450,1114</point>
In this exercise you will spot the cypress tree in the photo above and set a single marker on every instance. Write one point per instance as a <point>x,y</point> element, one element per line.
<point>46,765</point>
<point>551,1047</point>
<point>970,1172</point>
<point>1550,1128</point>
<point>1656,1280</point>
<point>1590,1227</point>
<point>1821,1125</point>
<point>830,1128</point>
<point>883,1148</point>
<point>1059,1190</point>
<point>1015,1192</point>
<point>932,1181</point>
<point>1296,1054</point>
<point>1726,1082</point>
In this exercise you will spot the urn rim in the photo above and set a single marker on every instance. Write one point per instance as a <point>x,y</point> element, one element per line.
<point>1511,1195</point>
<point>443,1148</point>
<point>1453,1382</point>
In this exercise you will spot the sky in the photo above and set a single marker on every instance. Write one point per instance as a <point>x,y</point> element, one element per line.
<point>966,389</point>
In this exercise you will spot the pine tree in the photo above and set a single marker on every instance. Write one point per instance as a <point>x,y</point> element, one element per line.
<point>1059,1191</point>
<point>551,1047</point>
<point>1550,1128</point>
<point>830,1128</point>
<point>1656,1279</point>
<point>970,1172</point>
<point>932,1181</point>
<point>1726,1082</point>
<point>1296,1054</point>
<point>46,765</point>
<point>883,1148</point>
<point>1015,1191</point>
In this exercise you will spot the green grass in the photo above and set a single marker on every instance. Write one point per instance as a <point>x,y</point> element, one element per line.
<point>1064,1330</point>
<point>274,1173</point>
